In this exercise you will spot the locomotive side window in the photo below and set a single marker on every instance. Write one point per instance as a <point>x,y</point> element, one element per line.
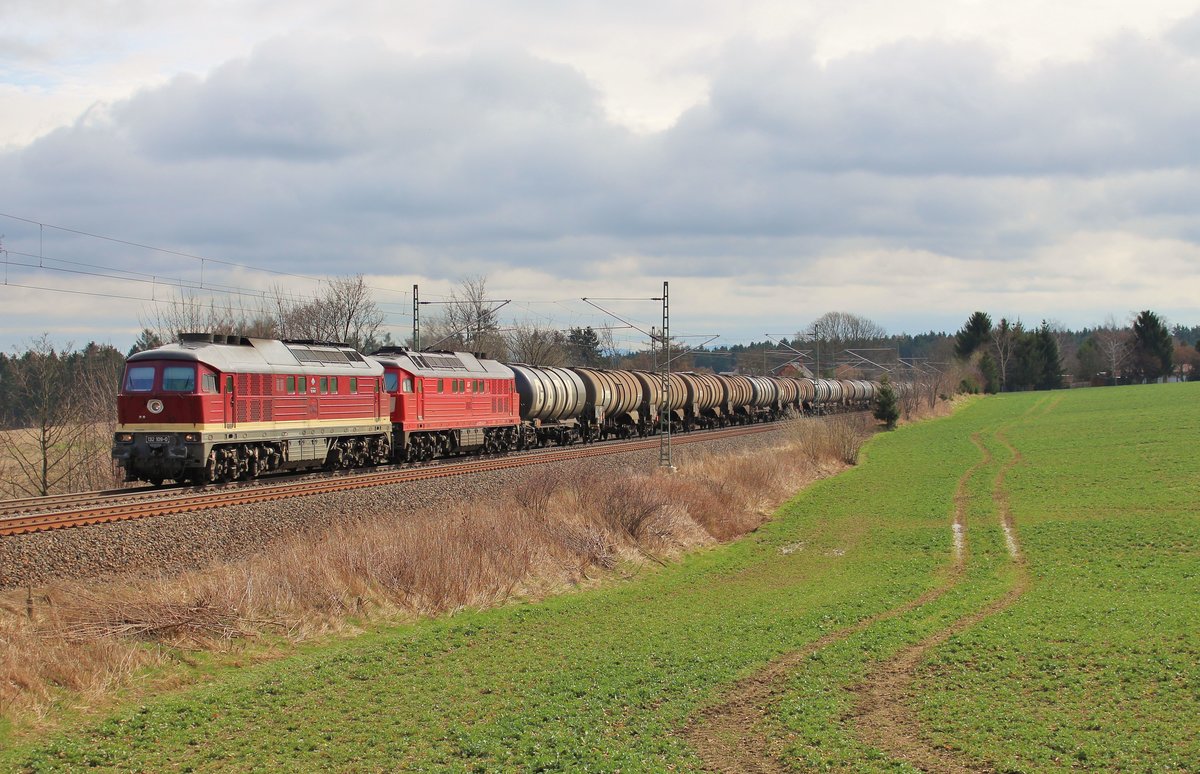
<point>440,381</point>
<point>324,384</point>
<point>408,385</point>
<point>291,385</point>
<point>139,379</point>
<point>179,379</point>
<point>208,383</point>
<point>229,385</point>
<point>333,385</point>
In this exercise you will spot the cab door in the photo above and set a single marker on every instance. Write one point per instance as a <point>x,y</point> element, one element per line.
<point>230,404</point>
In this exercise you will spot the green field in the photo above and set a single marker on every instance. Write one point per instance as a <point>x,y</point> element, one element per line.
<point>1073,644</point>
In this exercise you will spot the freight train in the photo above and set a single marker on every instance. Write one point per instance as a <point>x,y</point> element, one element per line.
<point>215,408</point>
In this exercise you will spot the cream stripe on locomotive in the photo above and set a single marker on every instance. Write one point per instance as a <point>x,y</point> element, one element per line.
<point>250,427</point>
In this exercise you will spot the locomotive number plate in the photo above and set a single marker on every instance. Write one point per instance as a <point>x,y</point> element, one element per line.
<point>158,439</point>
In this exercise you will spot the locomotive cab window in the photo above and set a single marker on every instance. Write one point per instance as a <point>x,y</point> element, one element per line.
<point>179,379</point>
<point>408,384</point>
<point>208,384</point>
<point>139,379</point>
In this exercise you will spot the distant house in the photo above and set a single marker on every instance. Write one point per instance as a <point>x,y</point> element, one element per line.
<point>794,370</point>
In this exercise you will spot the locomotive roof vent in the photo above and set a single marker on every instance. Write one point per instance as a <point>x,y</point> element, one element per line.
<point>213,338</point>
<point>317,342</point>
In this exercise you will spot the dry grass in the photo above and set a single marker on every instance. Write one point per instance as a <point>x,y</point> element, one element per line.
<point>552,532</point>
<point>836,437</point>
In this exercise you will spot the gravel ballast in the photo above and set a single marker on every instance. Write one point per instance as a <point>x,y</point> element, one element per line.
<point>165,545</point>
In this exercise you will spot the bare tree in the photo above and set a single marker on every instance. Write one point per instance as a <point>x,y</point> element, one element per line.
<point>833,332</point>
<point>1004,341</point>
<point>536,345</point>
<point>192,314</point>
<point>54,441</point>
<point>343,312</point>
<point>1115,345</point>
<point>468,321</point>
<point>846,329</point>
<point>352,309</point>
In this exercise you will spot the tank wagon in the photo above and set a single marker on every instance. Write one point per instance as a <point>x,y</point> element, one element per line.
<point>216,408</point>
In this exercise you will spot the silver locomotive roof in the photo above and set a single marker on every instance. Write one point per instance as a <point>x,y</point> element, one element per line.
<point>265,356</point>
<point>449,365</point>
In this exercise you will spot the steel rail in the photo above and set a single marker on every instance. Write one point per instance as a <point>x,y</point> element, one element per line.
<point>100,512</point>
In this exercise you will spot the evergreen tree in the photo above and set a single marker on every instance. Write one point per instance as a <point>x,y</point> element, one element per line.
<point>972,335</point>
<point>991,373</point>
<point>887,409</point>
<point>584,346</point>
<point>1050,377</point>
<point>147,339</point>
<point>1153,347</point>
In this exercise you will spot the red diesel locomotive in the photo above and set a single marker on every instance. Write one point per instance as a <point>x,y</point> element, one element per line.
<point>218,408</point>
<point>445,403</point>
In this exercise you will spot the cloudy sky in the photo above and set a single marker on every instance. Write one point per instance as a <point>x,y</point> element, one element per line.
<point>910,162</point>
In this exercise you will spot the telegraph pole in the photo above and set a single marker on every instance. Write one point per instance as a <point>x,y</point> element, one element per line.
<point>664,430</point>
<point>416,337</point>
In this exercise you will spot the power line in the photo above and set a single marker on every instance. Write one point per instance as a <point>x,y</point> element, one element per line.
<point>178,253</point>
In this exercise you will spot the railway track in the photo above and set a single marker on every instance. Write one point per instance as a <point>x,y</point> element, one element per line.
<point>65,511</point>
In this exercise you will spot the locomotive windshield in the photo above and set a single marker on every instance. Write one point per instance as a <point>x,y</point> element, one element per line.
<point>139,379</point>
<point>391,381</point>
<point>179,379</point>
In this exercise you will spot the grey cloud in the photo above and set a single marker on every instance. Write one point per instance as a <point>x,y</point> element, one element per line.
<point>921,108</point>
<point>310,149</point>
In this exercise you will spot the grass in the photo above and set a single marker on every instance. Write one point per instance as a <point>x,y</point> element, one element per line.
<point>1099,666</point>
<point>1094,667</point>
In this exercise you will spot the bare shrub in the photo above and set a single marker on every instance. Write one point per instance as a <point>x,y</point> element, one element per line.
<point>535,491</point>
<point>626,505</point>
<point>89,618</point>
<point>835,438</point>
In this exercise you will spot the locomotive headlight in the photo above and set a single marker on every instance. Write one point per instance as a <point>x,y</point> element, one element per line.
<point>191,437</point>
<point>124,437</point>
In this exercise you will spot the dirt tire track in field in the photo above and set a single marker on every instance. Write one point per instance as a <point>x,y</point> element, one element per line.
<point>728,736</point>
<point>882,716</point>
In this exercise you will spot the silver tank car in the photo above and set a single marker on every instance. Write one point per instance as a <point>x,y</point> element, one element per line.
<point>612,402</point>
<point>766,392</point>
<point>549,394</point>
<point>789,392</point>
